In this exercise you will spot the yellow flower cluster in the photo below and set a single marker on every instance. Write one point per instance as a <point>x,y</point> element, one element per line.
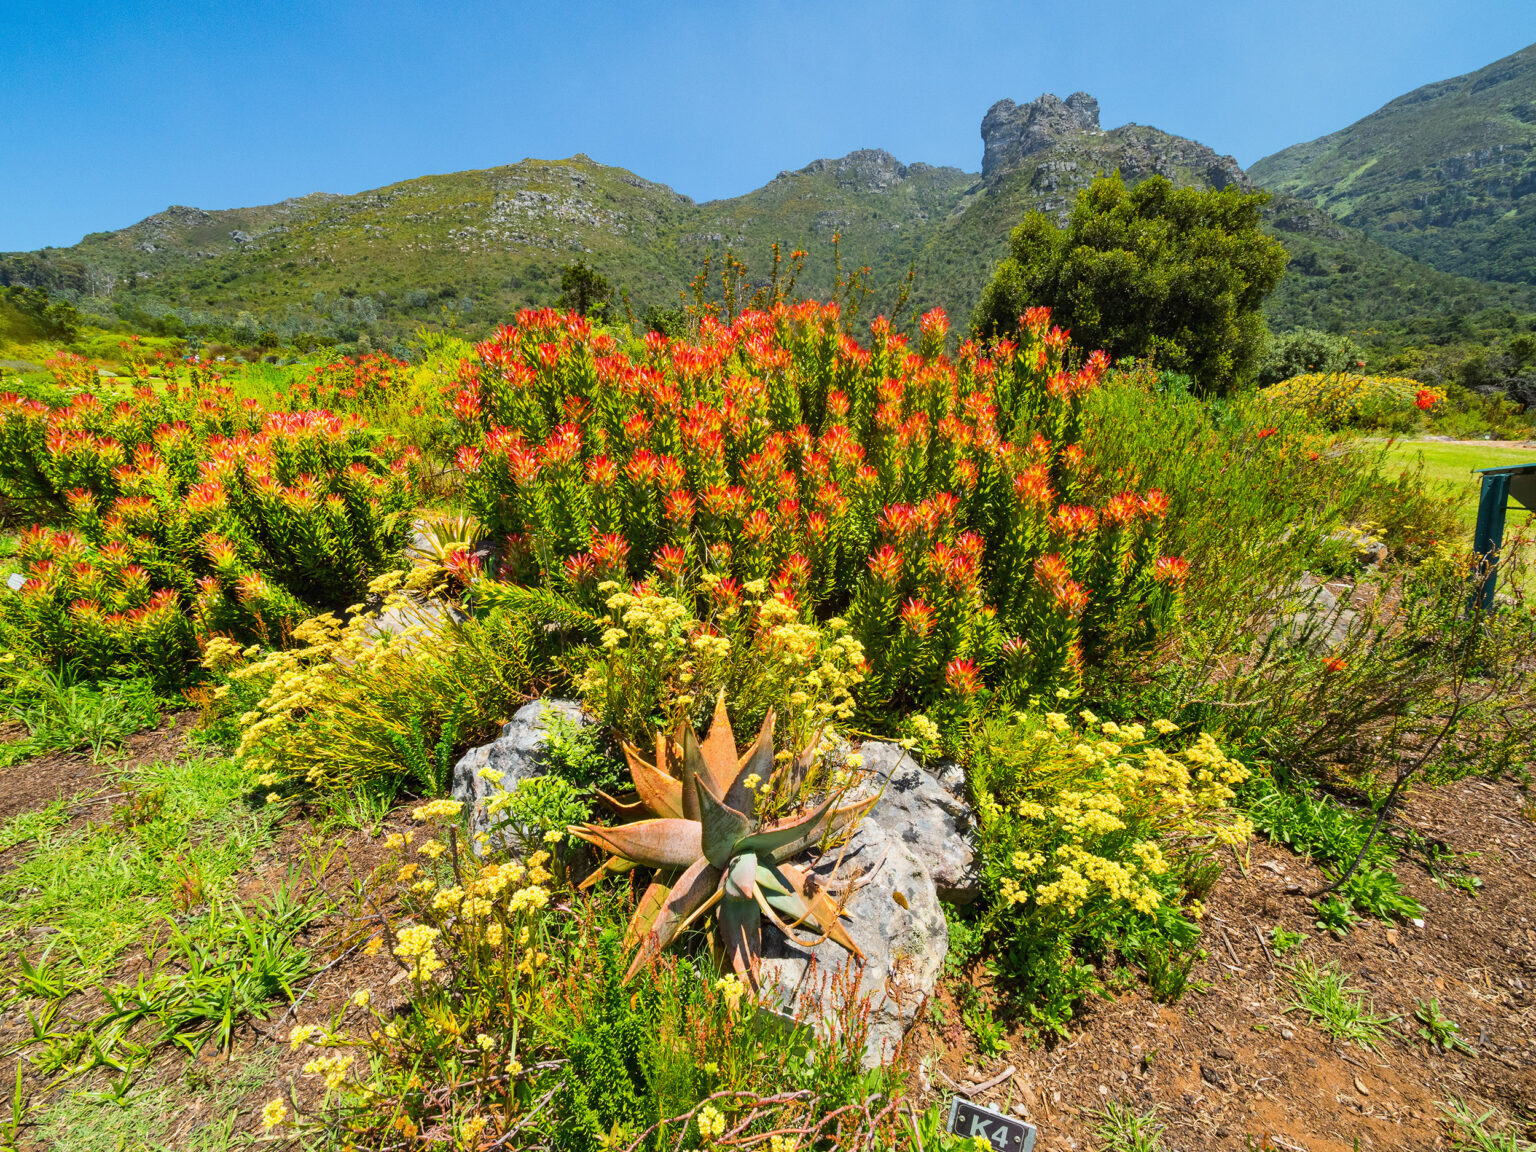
<point>1099,803</point>
<point>1340,399</point>
<point>417,951</point>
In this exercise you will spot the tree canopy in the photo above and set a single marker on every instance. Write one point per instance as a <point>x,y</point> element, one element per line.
<point>1176,274</point>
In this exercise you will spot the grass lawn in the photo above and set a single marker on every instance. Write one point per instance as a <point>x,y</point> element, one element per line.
<point>1453,466</point>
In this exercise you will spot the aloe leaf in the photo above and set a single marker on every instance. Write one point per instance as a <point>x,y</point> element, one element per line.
<point>741,937</point>
<point>626,808</point>
<point>723,827</point>
<point>689,771</point>
<point>757,761</point>
<point>771,837</point>
<point>614,865</point>
<point>741,878</point>
<point>837,821</point>
<point>718,751</point>
<point>644,920</point>
<point>659,793</point>
<point>654,843</point>
<point>693,892</point>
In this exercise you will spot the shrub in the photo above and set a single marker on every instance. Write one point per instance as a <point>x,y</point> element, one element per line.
<point>1308,350</point>
<point>521,1032</point>
<point>1346,400</point>
<point>188,511</point>
<point>351,710</point>
<point>1179,274</point>
<point>1095,837</point>
<point>933,503</point>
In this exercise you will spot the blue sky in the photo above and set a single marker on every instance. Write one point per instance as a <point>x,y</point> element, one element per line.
<point>110,111</point>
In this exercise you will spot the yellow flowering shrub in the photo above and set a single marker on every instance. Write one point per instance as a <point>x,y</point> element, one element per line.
<point>352,706</point>
<point>1347,399</point>
<point>1093,832</point>
<point>660,662</point>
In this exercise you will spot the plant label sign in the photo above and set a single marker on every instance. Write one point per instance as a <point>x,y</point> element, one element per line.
<point>1005,1133</point>
<point>15,581</point>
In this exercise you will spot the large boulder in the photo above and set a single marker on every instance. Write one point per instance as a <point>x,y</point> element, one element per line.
<point>519,753</point>
<point>895,917</point>
<point>1316,617</point>
<point>928,818</point>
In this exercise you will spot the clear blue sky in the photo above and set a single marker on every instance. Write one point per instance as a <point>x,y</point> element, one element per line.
<point>109,111</point>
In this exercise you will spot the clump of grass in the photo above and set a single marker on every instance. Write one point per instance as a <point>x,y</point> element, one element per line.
<point>1469,1131</point>
<point>61,713</point>
<point>1323,993</point>
<point>1439,1029</point>
<point>1121,1130</point>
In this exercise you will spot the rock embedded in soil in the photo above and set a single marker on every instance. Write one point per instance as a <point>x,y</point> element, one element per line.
<point>519,753</point>
<point>904,945</point>
<point>928,818</point>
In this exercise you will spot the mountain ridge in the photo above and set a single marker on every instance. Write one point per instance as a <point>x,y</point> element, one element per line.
<point>482,242</point>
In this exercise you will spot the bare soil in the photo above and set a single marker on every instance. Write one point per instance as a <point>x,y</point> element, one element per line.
<point>1231,1068</point>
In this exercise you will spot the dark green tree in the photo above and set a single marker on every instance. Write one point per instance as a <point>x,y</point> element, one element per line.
<point>1177,274</point>
<point>586,290</point>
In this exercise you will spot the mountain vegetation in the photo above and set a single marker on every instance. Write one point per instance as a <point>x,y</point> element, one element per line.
<point>1443,174</point>
<point>463,250</point>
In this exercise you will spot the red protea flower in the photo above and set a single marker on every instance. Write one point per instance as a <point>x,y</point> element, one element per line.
<point>793,578</point>
<point>467,459</point>
<point>466,405</point>
<point>1333,664</point>
<point>962,677</point>
<point>1123,509</point>
<point>672,561</point>
<point>1424,399</point>
<point>1074,520</point>
<point>725,593</point>
<point>917,617</point>
<point>611,553</point>
<point>549,356</point>
<point>1070,598</point>
<point>1035,319</point>
<point>678,507</point>
<point>464,566</point>
<point>1170,570</point>
<point>1155,503</point>
<point>580,570</point>
<point>886,565</point>
<point>935,324</point>
<point>1033,487</point>
<point>1265,433</point>
<point>758,527</point>
<point>562,447</point>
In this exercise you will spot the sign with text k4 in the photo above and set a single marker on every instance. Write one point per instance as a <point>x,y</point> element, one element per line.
<point>1005,1133</point>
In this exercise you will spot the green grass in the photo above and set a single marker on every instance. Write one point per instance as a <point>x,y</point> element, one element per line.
<point>1122,1130</point>
<point>1450,467</point>
<point>1324,994</point>
<point>1470,1132</point>
<point>182,831</point>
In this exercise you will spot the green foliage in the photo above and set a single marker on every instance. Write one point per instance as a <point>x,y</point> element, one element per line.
<point>1471,1132</point>
<point>1119,1129</point>
<point>585,291</point>
<point>1175,274</point>
<point>61,713</point>
<point>1323,993</point>
<point>1439,1029</point>
<point>1283,940</point>
<point>102,886</point>
<point>1307,350</point>
<point>31,314</point>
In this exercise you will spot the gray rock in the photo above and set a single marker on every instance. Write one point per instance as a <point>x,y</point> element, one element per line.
<point>518,753</point>
<point>929,819</point>
<point>904,945</point>
<point>432,616</point>
<point>1317,618</point>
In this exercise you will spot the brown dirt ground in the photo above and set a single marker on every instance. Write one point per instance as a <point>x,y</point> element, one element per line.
<point>1227,1068</point>
<point>1230,1068</point>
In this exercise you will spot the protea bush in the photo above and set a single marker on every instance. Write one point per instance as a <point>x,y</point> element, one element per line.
<point>940,503</point>
<point>180,496</point>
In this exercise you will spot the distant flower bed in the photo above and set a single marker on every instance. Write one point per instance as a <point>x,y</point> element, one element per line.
<point>180,510</point>
<point>1346,399</point>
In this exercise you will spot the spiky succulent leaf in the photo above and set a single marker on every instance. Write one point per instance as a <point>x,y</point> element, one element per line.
<point>691,894</point>
<point>836,821</point>
<point>652,900</point>
<point>659,793</point>
<point>741,878</point>
<point>654,843</point>
<point>758,761</point>
<point>770,837</point>
<point>717,752</point>
<point>741,937</point>
<point>723,827</point>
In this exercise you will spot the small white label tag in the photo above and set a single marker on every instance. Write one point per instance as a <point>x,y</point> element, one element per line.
<point>15,581</point>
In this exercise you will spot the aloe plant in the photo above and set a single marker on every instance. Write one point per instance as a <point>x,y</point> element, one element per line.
<point>708,847</point>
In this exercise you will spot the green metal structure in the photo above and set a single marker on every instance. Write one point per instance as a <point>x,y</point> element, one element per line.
<point>1511,484</point>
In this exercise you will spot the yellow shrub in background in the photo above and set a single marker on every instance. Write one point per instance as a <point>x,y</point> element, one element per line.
<point>1346,399</point>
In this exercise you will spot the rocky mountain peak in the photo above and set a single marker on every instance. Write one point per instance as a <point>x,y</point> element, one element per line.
<point>1013,131</point>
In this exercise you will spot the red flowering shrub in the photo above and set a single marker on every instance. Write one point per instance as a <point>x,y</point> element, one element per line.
<point>937,502</point>
<point>183,502</point>
<point>351,384</point>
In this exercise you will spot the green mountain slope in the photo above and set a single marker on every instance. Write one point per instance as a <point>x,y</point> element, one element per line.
<point>1444,174</point>
<point>474,246</point>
